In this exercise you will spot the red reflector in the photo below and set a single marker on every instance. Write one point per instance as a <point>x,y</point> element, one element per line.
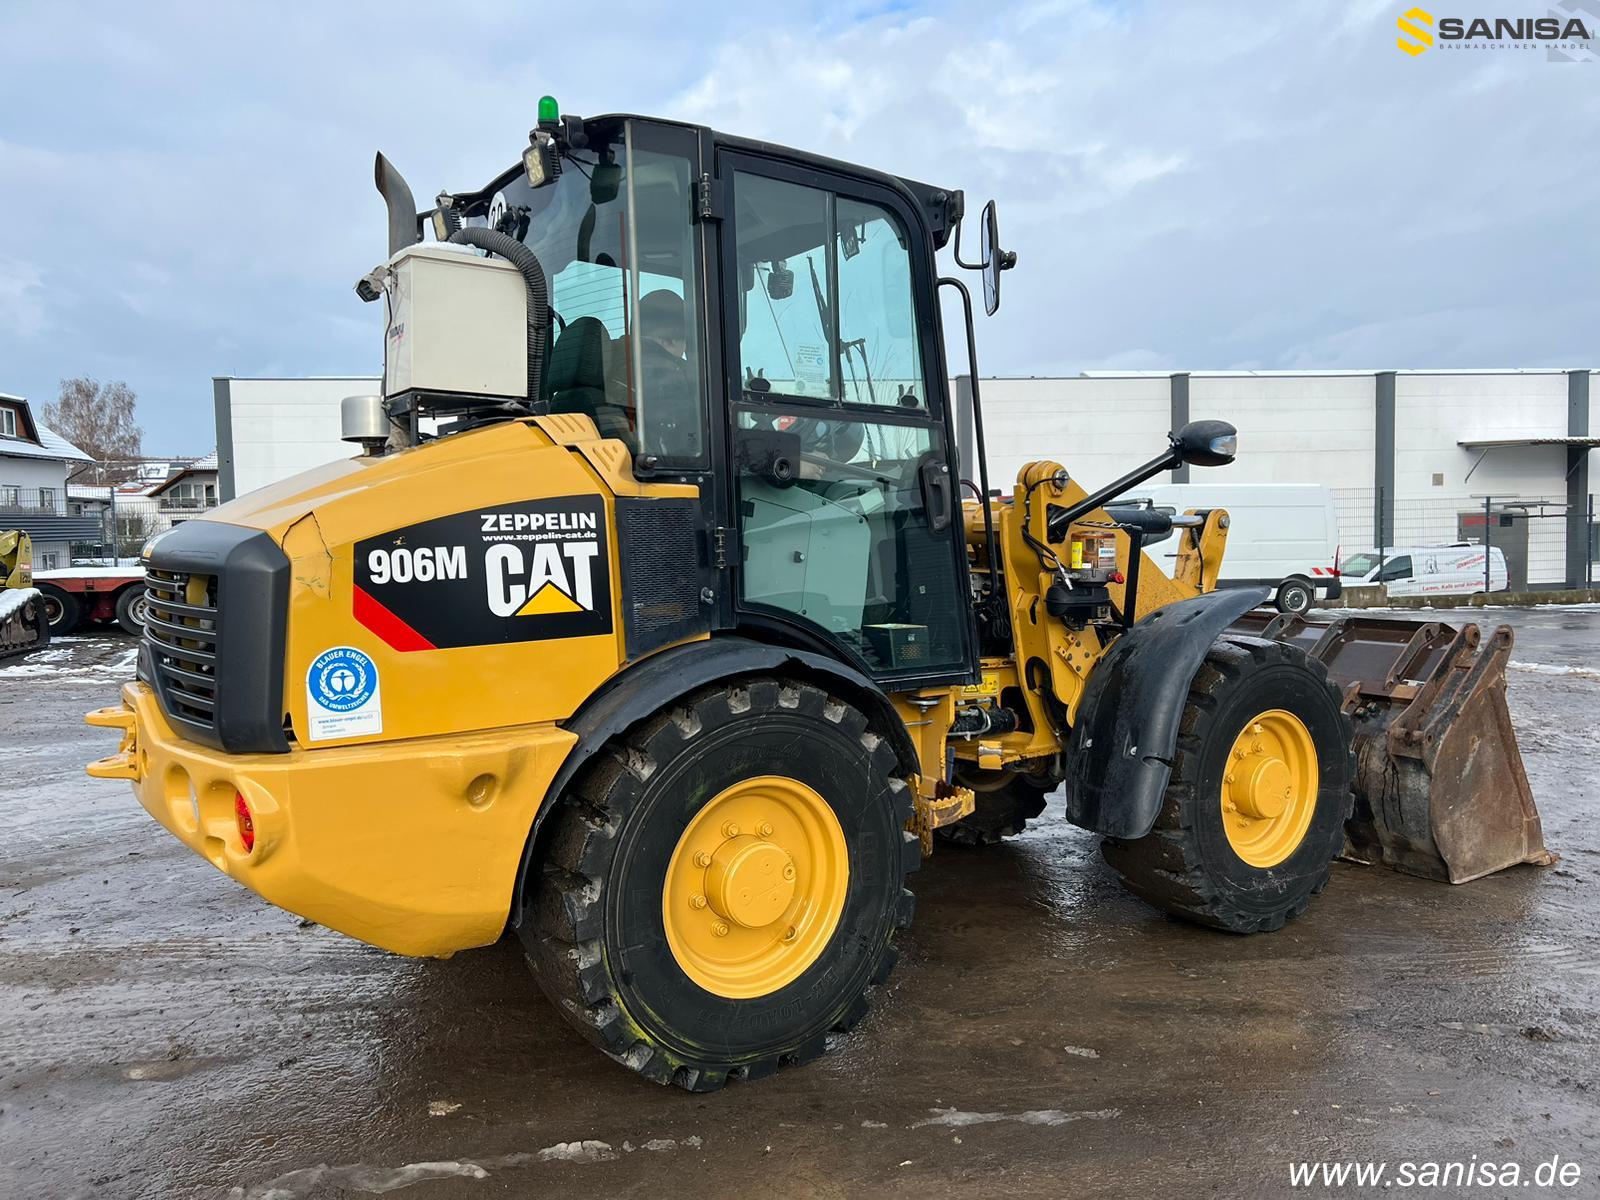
<point>1117,577</point>
<point>247,824</point>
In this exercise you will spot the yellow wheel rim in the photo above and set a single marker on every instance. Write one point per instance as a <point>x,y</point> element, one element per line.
<point>1269,788</point>
<point>755,887</point>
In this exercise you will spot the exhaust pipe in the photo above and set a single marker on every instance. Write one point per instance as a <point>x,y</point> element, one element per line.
<point>405,228</point>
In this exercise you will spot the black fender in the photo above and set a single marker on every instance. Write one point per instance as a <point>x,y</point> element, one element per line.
<point>1119,756</point>
<point>640,691</point>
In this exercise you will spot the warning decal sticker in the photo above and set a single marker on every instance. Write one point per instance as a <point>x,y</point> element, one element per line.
<point>512,573</point>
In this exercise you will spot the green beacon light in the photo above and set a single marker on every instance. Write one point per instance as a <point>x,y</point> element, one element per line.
<point>549,110</point>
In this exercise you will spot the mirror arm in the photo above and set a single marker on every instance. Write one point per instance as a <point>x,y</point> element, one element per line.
<point>990,541</point>
<point>961,262</point>
<point>1060,519</point>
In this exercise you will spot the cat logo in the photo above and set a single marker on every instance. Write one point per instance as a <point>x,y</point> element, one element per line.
<point>553,577</point>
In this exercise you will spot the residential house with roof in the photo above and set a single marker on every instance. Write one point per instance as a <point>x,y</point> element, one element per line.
<point>34,464</point>
<point>189,492</point>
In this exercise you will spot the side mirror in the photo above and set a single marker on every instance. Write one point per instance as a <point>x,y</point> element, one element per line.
<point>1206,443</point>
<point>605,181</point>
<point>994,259</point>
<point>780,281</point>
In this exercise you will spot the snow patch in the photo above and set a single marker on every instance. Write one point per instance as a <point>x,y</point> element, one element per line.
<point>1552,669</point>
<point>587,1151</point>
<point>957,1119</point>
<point>12,600</point>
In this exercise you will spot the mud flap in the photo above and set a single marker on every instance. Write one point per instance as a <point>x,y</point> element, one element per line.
<point>1440,787</point>
<point>1119,757</point>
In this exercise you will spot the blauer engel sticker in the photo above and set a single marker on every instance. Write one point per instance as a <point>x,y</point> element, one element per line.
<point>342,697</point>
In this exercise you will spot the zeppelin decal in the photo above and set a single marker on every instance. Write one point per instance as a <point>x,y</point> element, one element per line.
<point>512,573</point>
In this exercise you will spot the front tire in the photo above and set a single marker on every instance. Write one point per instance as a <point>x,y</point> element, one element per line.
<point>722,885</point>
<point>1254,813</point>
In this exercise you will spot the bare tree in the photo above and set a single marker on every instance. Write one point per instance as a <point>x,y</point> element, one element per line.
<point>98,419</point>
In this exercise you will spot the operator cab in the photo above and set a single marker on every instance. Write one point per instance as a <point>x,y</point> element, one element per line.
<point>761,322</point>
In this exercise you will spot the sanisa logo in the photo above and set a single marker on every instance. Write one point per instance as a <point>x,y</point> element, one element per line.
<point>1564,32</point>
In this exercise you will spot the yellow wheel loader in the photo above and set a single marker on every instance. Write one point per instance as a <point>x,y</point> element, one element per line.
<point>24,623</point>
<point>656,623</point>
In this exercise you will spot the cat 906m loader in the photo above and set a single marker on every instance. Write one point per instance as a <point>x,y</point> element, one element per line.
<point>654,623</point>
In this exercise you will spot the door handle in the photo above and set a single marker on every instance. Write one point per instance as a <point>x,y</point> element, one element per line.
<point>937,495</point>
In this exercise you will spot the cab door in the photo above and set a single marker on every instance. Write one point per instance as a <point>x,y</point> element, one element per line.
<point>845,496</point>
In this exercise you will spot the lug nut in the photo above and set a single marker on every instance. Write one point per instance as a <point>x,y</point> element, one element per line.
<point>720,929</point>
<point>702,859</point>
<point>697,901</point>
<point>764,829</point>
<point>730,830</point>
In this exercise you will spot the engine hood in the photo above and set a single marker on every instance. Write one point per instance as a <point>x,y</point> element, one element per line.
<point>355,497</point>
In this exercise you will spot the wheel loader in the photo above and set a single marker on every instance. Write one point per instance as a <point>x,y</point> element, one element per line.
<point>659,625</point>
<point>24,623</point>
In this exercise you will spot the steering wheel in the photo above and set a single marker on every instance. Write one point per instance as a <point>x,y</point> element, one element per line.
<point>828,439</point>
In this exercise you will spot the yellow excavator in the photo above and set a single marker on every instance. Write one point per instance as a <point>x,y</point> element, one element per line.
<point>24,625</point>
<point>659,623</point>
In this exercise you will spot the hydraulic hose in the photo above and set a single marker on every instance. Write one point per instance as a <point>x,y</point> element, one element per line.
<point>524,260</point>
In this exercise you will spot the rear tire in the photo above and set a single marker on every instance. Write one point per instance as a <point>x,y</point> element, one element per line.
<point>606,918</point>
<point>1006,802</point>
<point>61,609</point>
<point>1190,863</point>
<point>130,609</point>
<point>1295,596</point>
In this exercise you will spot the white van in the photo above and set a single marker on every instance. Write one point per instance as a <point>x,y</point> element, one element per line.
<point>1281,536</point>
<point>1451,570</point>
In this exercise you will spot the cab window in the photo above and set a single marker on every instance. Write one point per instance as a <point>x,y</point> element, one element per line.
<point>826,310</point>
<point>836,451</point>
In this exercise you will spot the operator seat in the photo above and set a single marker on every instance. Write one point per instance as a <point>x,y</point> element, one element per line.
<point>578,376</point>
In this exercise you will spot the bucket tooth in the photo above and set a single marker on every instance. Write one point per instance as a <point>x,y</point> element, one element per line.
<point>1440,787</point>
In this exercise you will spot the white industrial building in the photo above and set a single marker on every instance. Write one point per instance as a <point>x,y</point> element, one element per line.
<point>1416,454</point>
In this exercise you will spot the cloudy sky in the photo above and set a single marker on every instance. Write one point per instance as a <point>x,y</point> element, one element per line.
<point>1188,185</point>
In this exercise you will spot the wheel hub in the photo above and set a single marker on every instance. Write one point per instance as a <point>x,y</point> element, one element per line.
<point>1269,788</point>
<point>755,887</point>
<point>1263,788</point>
<point>750,881</point>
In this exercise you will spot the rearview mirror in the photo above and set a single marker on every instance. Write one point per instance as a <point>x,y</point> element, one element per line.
<point>780,280</point>
<point>1206,443</point>
<point>994,259</point>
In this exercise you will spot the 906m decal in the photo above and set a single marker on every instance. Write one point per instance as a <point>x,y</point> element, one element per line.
<point>512,573</point>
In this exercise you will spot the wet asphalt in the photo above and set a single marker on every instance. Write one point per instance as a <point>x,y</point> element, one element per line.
<point>163,1032</point>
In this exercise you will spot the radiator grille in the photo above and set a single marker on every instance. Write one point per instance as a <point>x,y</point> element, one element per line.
<point>180,627</point>
<point>659,542</point>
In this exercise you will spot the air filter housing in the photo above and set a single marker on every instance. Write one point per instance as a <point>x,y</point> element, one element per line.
<point>457,324</point>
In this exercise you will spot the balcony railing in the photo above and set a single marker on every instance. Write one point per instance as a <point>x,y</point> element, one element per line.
<point>63,520</point>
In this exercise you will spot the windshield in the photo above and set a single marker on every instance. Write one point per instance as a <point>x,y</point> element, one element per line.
<point>615,238</point>
<point>1359,564</point>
